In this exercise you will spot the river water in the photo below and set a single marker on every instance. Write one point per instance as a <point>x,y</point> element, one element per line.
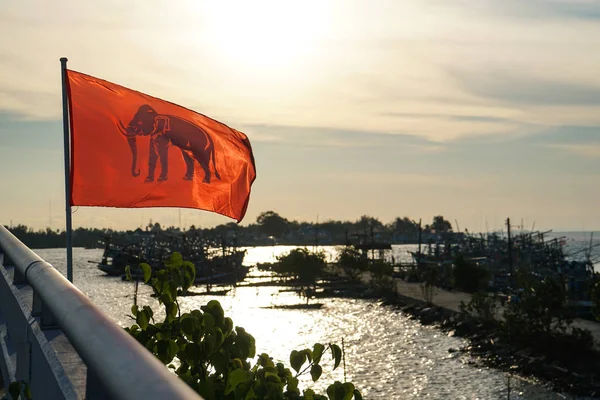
<point>388,356</point>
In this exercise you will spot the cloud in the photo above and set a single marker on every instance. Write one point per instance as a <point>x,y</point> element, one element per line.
<point>472,118</point>
<point>590,151</point>
<point>556,9</point>
<point>322,137</point>
<point>406,179</point>
<point>388,77</point>
<point>518,88</point>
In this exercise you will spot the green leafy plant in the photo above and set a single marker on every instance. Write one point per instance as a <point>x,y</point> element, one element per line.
<point>217,359</point>
<point>352,262</point>
<point>304,265</point>
<point>468,276</point>
<point>429,276</point>
<point>481,305</point>
<point>18,390</point>
<point>541,308</point>
<point>381,277</point>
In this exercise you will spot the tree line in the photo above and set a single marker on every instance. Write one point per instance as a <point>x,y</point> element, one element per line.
<point>269,228</point>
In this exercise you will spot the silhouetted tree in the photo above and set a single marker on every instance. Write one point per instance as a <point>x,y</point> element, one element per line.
<point>272,224</point>
<point>440,225</point>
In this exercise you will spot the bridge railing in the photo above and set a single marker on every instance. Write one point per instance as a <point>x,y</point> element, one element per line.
<point>38,307</point>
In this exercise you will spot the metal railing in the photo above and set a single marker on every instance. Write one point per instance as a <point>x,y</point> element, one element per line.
<point>118,367</point>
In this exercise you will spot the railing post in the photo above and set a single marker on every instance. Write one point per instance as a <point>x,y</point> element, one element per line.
<point>39,309</point>
<point>23,370</point>
<point>18,278</point>
<point>93,388</point>
<point>7,261</point>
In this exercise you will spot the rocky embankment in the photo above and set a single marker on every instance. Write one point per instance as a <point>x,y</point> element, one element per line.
<point>576,373</point>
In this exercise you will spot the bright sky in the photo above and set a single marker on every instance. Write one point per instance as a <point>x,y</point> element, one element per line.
<point>476,110</point>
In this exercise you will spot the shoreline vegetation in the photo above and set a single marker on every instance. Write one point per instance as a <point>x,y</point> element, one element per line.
<point>269,229</point>
<point>532,337</point>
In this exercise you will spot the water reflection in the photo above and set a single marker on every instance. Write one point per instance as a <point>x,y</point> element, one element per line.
<point>388,356</point>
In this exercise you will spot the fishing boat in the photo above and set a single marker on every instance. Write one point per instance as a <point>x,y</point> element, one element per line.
<point>213,265</point>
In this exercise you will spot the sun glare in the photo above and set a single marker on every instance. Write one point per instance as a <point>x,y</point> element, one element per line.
<point>265,35</point>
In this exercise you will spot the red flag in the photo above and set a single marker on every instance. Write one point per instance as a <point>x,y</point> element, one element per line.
<point>131,150</point>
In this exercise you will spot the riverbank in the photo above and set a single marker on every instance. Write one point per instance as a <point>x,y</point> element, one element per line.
<point>562,364</point>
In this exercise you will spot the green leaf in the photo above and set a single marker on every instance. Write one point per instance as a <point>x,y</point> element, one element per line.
<point>309,354</point>
<point>272,377</point>
<point>164,351</point>
<point>14,389</point>
<point>209,322</point>
<point>220,361</point>
<point>173,348</point>
<point>187,283</point>
<point>147,271</point>
<point>318,350</point>
<point>176,279</point>
<point>336,354</point>
<point>142,319</point>
<point>292,385</point>
<point>189,270</point>
<point>209,344</point>
<point>148,311</point>
<point>265,360</point>
<point>227,325</point>
<point>357,395</point>
<point>176,260</point>
<point>192,353</point>
<point>171,309</point>
<point>162,275</point>
<point>128,273</point>
<point>27,392</point>
<point>246,343</point>
<point>134,310</point>
<point>214,308</point>
<point>183,368</point>
<point>234,379</point>
<point>219,336</point>
<point>297,359</point>
<point>315,372</point>
<point>309,394</point>
<point>336,391</point>
<point>348,390</point>
<point>206,389</point>
<point>166,293</point>
<point>189,324</point>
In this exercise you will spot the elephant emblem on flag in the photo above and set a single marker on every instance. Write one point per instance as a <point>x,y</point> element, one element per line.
<point>195,144</point>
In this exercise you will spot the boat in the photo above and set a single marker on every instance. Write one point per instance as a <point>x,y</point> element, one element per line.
<point>213,265</point>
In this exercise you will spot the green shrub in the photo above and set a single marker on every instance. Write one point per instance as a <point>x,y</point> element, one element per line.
<point>352,262</point>
<point>215,358</point>
<point>468,277</point>
<point>302,264</point>
<point>540,311</point>
<point>482,306</point>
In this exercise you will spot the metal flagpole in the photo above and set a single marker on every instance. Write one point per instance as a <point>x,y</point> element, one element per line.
<point>67,151</point>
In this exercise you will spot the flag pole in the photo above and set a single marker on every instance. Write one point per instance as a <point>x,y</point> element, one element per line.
<point>67,152</point>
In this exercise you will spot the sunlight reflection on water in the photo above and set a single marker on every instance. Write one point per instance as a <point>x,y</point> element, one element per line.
<point>388,356</point>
